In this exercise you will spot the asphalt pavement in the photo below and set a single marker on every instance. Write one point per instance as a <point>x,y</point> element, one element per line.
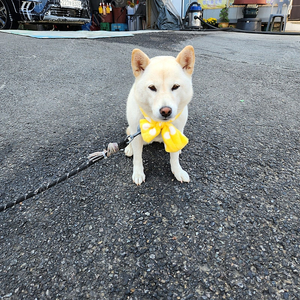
<point>233,232</point>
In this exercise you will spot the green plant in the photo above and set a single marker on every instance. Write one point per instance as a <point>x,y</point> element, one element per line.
<point>224,14</point>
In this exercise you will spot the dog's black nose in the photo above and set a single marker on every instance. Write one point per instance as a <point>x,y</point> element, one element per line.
<point>165,111</point>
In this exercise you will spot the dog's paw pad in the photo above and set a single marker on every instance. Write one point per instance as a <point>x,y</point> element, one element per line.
<point>128,150</point>
<point>138,178</point>
<point>182,176</point>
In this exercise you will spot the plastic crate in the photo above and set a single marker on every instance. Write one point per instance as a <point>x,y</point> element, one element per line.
<point>119,27</point>
<point>105,26</point>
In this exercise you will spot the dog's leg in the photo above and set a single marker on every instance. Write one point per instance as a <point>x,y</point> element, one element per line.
<point>138,175</point>
<point>128,149</point>
<point>178,172</point>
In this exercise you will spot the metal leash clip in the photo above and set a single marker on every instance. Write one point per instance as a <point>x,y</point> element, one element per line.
<point>132,136</point>
<point>129,139</point>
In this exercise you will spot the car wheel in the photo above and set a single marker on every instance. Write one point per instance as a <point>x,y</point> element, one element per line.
<point>6,17</point>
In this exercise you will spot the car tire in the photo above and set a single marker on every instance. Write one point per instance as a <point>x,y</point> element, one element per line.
<point>7,18</point>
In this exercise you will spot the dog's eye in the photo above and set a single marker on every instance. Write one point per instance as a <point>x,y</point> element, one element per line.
<point>175,87</point>
<point>152,88</point>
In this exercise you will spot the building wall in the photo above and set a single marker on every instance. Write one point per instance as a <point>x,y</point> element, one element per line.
<point>295,12</point>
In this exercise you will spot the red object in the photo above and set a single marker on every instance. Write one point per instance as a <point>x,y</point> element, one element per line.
<point>120,14</point>
<point>108,18</point>
<point>245,2</point>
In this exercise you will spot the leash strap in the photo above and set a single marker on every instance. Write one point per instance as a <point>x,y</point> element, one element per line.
<point>92,159</point>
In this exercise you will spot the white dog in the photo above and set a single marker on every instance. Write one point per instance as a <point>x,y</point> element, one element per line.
<point>157,103</point>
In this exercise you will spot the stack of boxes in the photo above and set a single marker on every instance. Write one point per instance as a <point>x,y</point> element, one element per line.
<point>113,19</point>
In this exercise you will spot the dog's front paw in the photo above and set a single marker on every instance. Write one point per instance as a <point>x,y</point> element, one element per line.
<point>181,175</point>
<point>138,177</point>
<point>128,150</point>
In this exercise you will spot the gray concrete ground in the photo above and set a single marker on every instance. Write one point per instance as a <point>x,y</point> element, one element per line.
<point>233,232</point>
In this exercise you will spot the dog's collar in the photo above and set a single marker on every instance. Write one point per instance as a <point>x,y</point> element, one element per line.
<point>173,139</point>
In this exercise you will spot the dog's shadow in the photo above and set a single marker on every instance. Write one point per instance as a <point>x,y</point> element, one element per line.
<point>156,161</point>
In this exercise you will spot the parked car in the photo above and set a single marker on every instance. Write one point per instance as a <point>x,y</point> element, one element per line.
<point>68,12</point>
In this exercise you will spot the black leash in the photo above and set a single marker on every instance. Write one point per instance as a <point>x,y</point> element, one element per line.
<point>92,159</point>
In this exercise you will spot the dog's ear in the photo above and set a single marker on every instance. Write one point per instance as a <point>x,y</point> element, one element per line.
<point>139,62</point>
<point>186,58</point>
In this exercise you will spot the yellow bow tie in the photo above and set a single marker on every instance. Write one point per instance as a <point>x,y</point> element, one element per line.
<point>173,139</point>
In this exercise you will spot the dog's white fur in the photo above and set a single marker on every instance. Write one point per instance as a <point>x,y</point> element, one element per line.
<point>163,81</point>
